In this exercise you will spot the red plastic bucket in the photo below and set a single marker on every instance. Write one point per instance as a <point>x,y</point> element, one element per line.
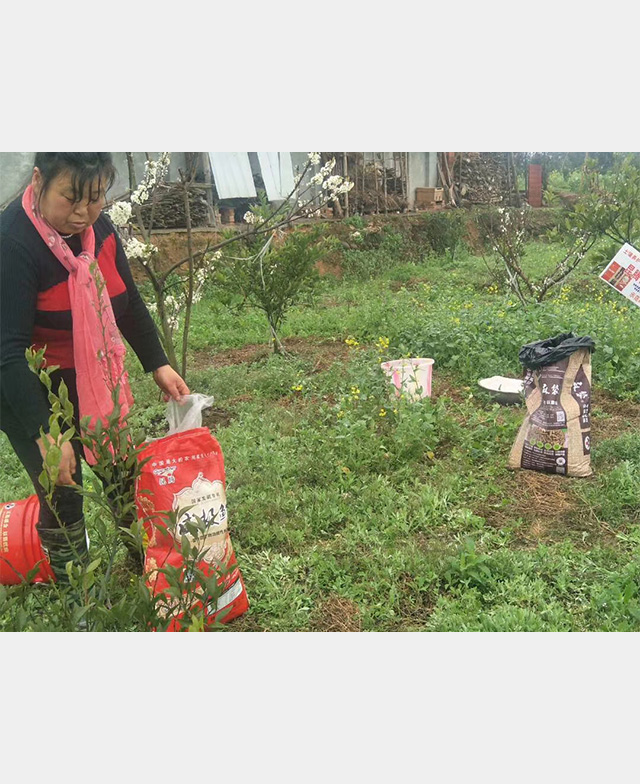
<point>20,548</point>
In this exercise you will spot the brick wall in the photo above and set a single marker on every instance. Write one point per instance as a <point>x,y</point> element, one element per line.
<point>534,192</point>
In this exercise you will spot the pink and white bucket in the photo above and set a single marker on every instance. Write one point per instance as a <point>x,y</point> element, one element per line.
<point>410,377</point>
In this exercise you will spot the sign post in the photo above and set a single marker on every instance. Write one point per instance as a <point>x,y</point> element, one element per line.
<point>623,273</point>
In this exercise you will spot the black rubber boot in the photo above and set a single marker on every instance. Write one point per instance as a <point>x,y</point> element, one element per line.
<point>135,558</point>
<point>64,544</point>
<point>135,551</point>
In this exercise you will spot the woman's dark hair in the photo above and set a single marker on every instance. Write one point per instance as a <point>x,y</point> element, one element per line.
<point>84,167</point>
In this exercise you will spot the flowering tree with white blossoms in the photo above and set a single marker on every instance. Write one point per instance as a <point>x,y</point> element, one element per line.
<point>175,294</point>
<point>507,238</point>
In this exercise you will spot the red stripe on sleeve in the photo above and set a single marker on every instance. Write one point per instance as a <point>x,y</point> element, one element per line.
<point>107,263</point>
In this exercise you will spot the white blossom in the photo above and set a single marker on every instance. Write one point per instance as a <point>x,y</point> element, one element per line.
<point>172,309</point>
<point>154,173</point>
<point>139,250</point>
<point>120,213</point>
<point>314,157</point>
<point>140,195</point>
<point>332,183</point>
<point>336,185</point>
<point>328,167</point>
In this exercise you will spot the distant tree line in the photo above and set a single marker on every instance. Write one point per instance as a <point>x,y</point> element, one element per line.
<point>564,162</point>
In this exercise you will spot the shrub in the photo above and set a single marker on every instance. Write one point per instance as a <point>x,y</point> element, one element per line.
<point>442,232</point>
<point>275,275</point>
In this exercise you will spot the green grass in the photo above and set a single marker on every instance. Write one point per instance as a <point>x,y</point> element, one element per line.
<point>351,509</point>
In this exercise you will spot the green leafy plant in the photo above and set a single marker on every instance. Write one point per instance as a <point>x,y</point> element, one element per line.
<point>274,275</point>
<point>469,568</point>
<point>443,232</point>
<point>610,208</point>
<point>190,597</point>
<point>93,600</point>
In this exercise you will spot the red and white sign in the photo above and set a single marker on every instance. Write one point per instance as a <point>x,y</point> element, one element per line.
<point>623,273</point>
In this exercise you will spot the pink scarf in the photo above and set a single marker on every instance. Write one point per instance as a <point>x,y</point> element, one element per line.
<point>98,350</point>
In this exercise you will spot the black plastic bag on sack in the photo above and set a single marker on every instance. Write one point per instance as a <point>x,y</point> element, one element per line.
<point>548,352</point>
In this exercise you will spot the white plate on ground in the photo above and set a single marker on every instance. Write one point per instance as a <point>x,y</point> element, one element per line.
<point>504,390</point>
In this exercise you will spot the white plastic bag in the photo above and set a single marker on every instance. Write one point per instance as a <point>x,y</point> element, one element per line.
<point>187,414</point>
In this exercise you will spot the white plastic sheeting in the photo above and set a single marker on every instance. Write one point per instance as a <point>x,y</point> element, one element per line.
<point>232,174</point>
<point>277,174</point>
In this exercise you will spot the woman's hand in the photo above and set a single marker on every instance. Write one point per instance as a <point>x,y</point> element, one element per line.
<point>170,383</point>
<point>67,465</point>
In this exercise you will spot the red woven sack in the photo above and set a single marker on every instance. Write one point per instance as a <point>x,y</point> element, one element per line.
<point>185,471</point>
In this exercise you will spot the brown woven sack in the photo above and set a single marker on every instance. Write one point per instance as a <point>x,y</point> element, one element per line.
<point>555,436</point>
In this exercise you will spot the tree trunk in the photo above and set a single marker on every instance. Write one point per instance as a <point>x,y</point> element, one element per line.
<point>167,336</point>
<point>278,348</point>
<point>514,174</point>
<point>132,171</point>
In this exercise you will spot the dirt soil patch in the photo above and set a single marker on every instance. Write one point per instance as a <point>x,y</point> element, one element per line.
<point>172,249</point>
<point>547,507</point>
<point>245,623</point>
<point>330,265</point>
<point>337,614</point>
<point>445,385</point>
<point>214,418</point>
<point>612,418</point>
<point>322,352</point>
<point>253,352</point>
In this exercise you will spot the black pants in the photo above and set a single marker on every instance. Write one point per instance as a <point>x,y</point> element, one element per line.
<point>66,500</point>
